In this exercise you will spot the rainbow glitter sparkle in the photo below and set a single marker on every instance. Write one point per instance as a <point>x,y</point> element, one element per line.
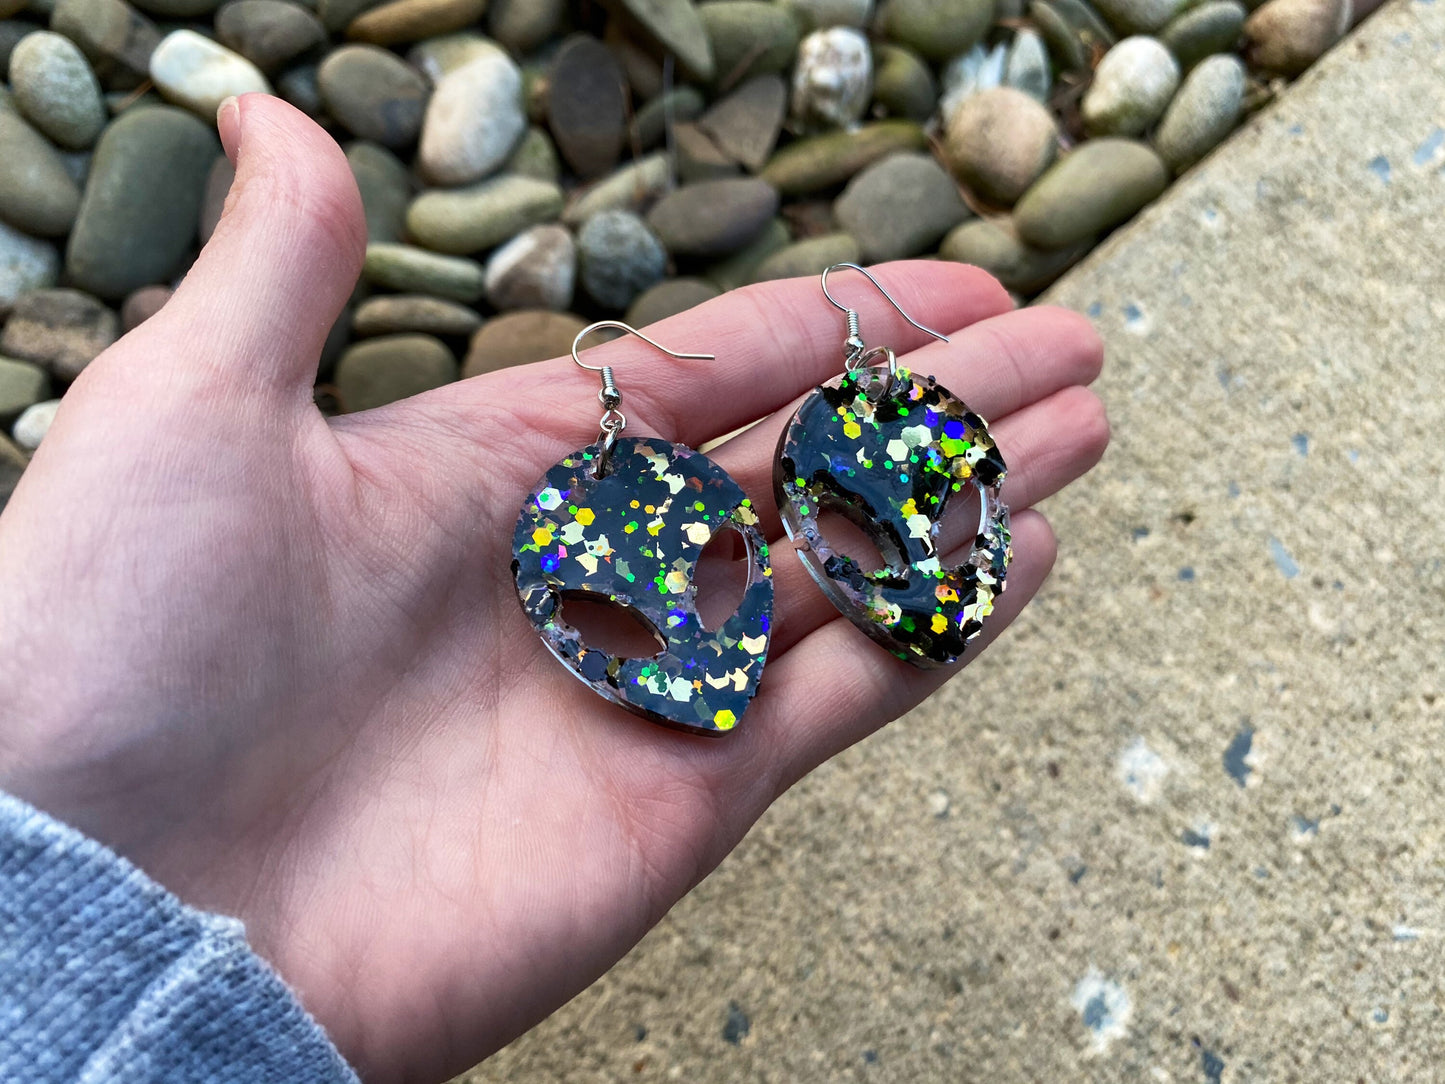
<point>633,537</point>
<point>890,463</point>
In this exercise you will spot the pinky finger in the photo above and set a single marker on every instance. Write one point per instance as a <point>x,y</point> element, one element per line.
<point>839,687</point>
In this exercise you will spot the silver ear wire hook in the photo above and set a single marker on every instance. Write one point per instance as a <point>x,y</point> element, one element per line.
<point>853,346</point>
<point>613,420</point>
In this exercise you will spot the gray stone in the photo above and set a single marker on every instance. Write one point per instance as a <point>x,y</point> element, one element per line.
<point>337,15</point>
<point>1287,36</point>
<point>522,25</point>
<point>115,38</point>
<point>998,143</point>
<point>56,90</point>
<point>618,257</point>
<point>11,31</point>
<point>535,157</point>
<point>1093,188</point>
<point>629,189</point>
<point>198,73</point>
<point>213,202</point>
<point>697,158</point>
<point>748,37</point>
<point>668,298</point>
<point>745,124</point>
<point>473,121</point>
<point>1132,87</point>
<point>520,338</point>
<point>385,186</point>
<point>676,106</point>
<point>22,385</point>
<point>32,425</point>
<point>937,29</point>
<point>676,26</point>
<point>400,22</point>
<point>400,313</point>
<point>62,330</point>
<point>142,305</point>
<point>178,9</point>
<point>37,195</point>
<point>903,84</point>
<point>1140,16</point>
<point>993,245</point>
<point>587,106</point>
<point>1073,31</point>
<point>534,270</point>
<point>384,370</point>
<point>466,220</point>
<point>832,79</point>
<point>1205,110</point>
<point>1213,27</point>
<point>739,268</point>
<point>269,33</point>
<point>301,86</point>
<point>809,258</point>
<point>714,218</point>
<point>1027,68</point>
<point>77,166</point>
<point>142,203</point>
<point>820,162</point>
<point>415,270</point>
<point>899,207</point>
<point>374,94</point>
<point>26,263</point>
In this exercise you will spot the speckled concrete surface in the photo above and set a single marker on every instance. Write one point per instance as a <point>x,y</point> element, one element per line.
<point>1185,824</point>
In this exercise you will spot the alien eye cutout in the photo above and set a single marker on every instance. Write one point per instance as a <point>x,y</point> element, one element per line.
<point>722,576</point>
<point>607,625</point>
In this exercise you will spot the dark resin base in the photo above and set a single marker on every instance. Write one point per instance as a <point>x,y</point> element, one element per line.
<point>890,464</point>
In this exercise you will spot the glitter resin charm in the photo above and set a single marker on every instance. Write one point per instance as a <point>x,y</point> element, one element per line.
<point>888,454</point>
<point>633,536</point>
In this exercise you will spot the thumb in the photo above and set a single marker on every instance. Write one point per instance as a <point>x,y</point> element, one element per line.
<point>254,311</point>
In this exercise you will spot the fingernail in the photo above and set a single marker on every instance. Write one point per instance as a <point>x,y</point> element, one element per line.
<point>228,123</point>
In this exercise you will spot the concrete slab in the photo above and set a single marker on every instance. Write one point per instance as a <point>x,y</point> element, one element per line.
<point>1187,822</point>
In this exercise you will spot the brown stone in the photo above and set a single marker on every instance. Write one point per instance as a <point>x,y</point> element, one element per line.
<point>62,330</point>
<point>745,124</point>
<point>142,305</point>
<point>587,106</point>
<point>414,20</point>
<point>519,338</point>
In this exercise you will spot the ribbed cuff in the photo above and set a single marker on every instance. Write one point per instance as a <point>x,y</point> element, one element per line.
<point>106,976</point>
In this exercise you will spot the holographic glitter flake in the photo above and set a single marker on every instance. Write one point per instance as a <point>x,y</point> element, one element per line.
<point>634,537</point>
<point>890,464</point>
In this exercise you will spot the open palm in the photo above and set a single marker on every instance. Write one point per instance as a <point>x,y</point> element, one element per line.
<point>278,661</point>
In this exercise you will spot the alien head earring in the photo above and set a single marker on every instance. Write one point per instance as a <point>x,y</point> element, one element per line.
<point>624,521</point>
<point>887,450</point>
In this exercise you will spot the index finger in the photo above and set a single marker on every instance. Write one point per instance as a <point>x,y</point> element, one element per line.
<point>772,341</point>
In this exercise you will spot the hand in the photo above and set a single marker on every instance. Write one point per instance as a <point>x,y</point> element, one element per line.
<point>278,661</point>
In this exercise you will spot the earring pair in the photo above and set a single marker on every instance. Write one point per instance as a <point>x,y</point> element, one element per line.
<point>626,519</point>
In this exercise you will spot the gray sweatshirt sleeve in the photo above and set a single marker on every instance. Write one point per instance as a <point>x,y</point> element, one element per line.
<point>106,976</point>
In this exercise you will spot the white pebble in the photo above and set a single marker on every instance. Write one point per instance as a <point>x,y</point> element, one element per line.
<point>833,80</point>
<point>196,72</point>
<point>30,428</point>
